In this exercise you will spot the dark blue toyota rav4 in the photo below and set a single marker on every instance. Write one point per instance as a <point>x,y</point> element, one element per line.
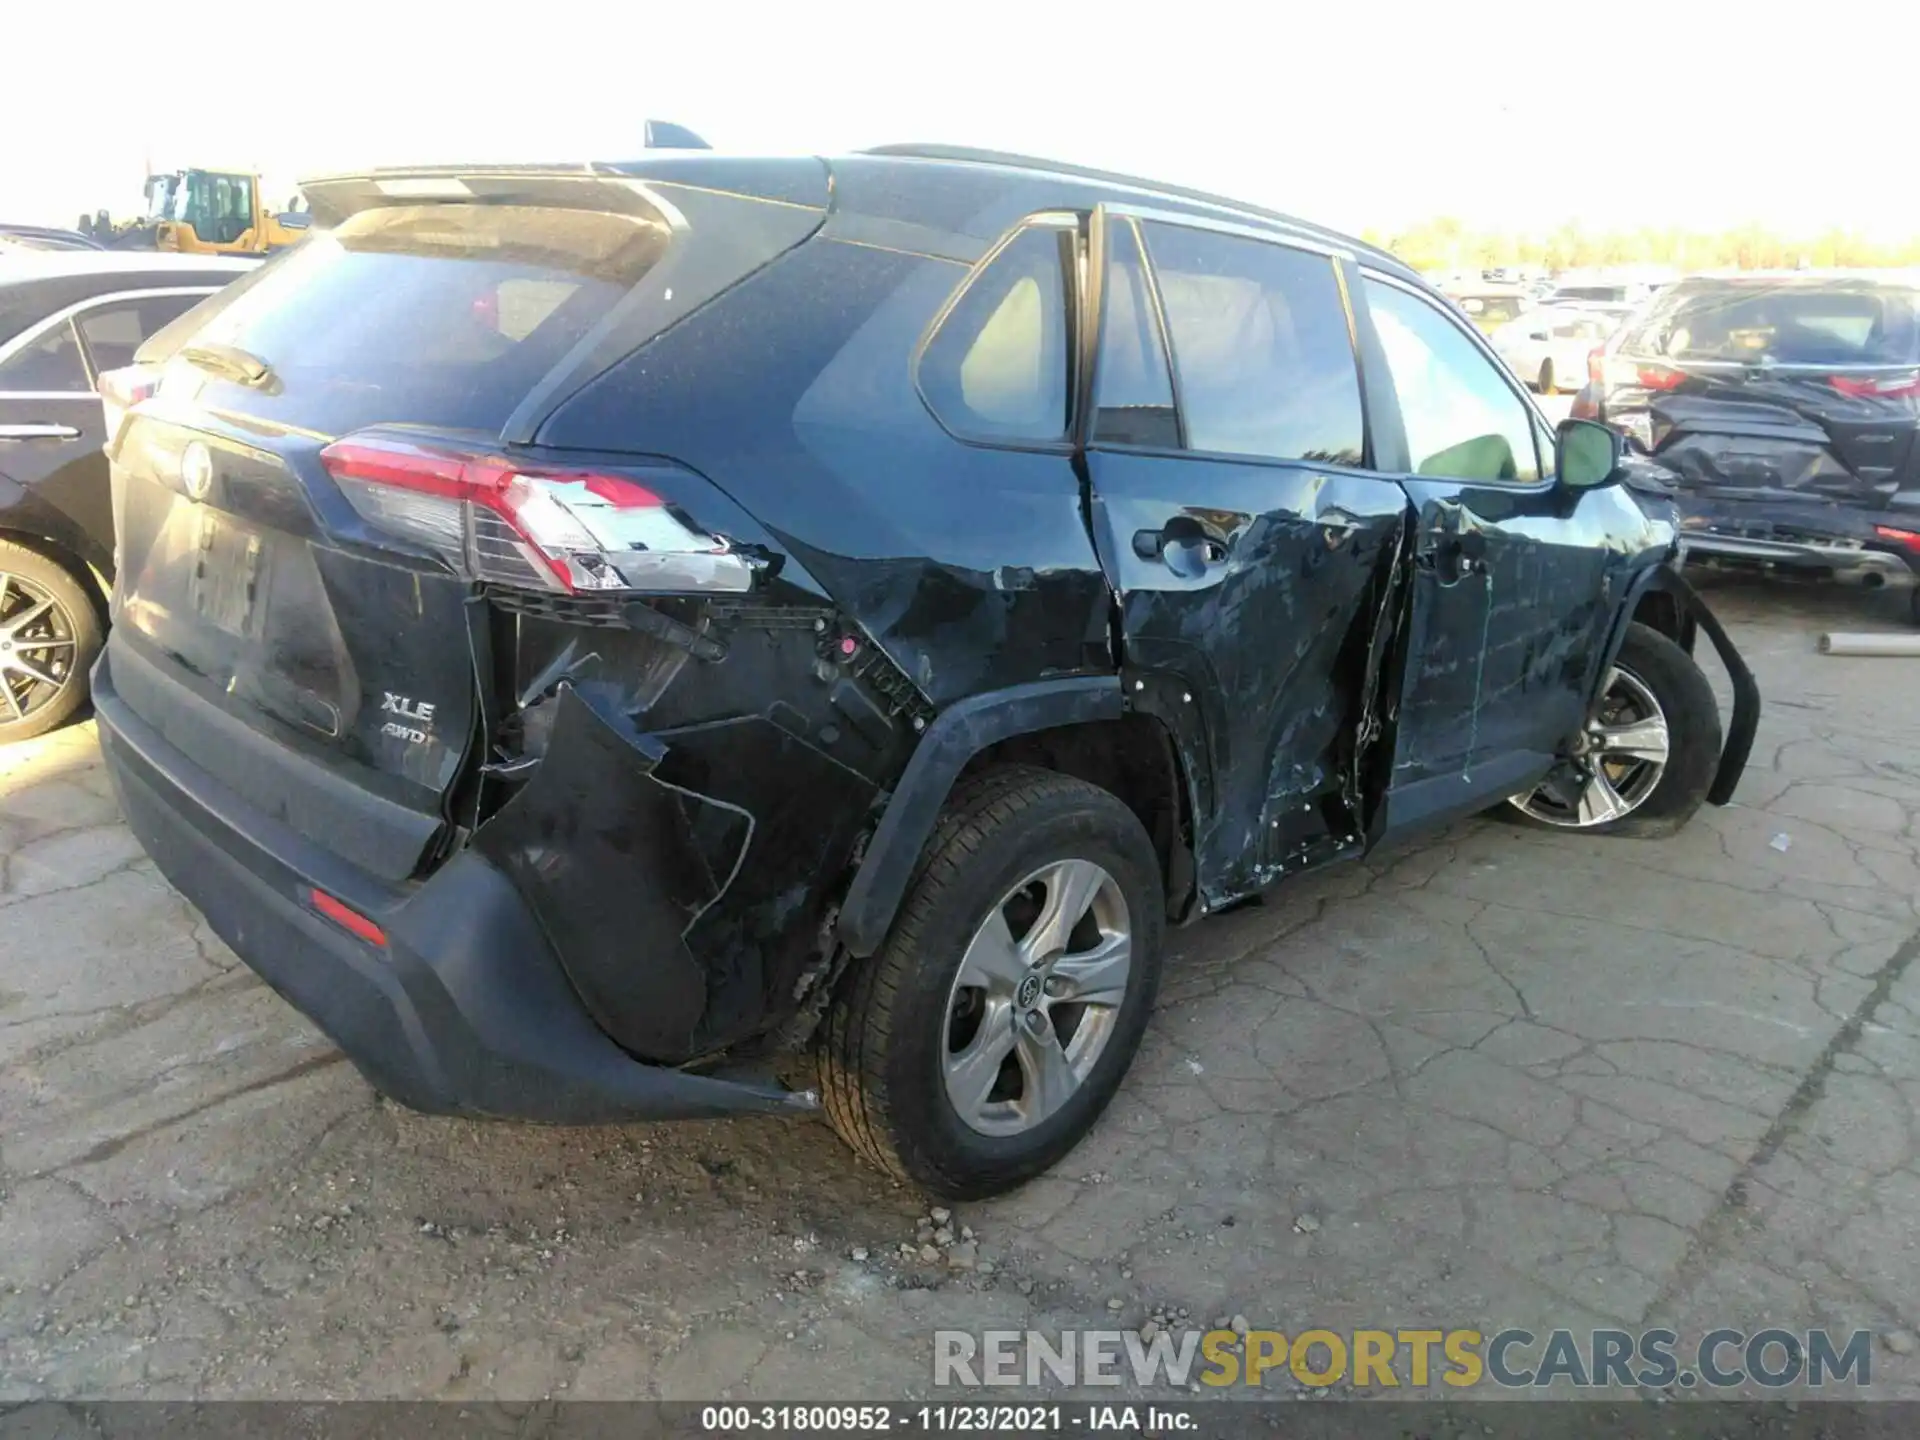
<point>594,638</point>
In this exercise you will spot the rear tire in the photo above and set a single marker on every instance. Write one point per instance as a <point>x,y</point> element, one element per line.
<point>1650,666</point>
<point>895,1042</point>
<point>1546,378</point>
<point>50,626</point>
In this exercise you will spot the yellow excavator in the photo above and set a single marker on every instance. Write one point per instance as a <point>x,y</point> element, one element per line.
<point>205,212</point>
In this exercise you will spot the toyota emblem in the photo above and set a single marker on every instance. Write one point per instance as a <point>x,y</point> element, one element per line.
<point>196,470</point>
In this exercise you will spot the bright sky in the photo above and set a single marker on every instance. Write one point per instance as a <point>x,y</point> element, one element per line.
<point>1692,112</point>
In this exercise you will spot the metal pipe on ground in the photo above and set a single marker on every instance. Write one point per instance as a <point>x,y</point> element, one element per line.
<point>1907,645</point>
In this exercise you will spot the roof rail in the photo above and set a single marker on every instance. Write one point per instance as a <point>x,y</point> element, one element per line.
<point>970,155</point>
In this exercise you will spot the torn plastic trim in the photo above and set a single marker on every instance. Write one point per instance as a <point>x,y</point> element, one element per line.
<point>594,821</point>
<point>962,731</point>
<point>1744,724</point>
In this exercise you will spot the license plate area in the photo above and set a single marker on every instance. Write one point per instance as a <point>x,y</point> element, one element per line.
<point>228,580</point>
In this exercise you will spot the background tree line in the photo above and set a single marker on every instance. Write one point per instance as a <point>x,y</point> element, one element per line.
<point>1447,243</point>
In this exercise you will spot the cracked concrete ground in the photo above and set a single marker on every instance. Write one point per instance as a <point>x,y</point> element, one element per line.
<point>1509,1078</point>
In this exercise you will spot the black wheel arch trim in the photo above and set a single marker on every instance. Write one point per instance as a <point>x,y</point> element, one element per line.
<point>1745,721</point>
<point>958,734</point>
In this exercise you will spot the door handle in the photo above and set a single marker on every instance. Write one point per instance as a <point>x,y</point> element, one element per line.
<point>1190,539</point>
<point>39,432</point>
<point>1453,554</point>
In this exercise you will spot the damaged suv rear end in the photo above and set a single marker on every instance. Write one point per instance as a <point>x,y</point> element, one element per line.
<point>589,636</point>
<point>441,740</point>
<point>1785,406</point>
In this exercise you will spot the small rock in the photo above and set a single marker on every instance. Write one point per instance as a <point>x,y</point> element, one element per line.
<point>1125,1274</point>
<point>966,1232</point>
<point>943,1236</point>
<point>1306,1224</point>
<point>1220,1322</point>
<point>964,1256</point>
<point>859,1252</point>
<point>1149,1330</point>
<point>929,1253</point>
<point>1782,842</point>
<point>1239,1325</point>
<point>1114,1304</point>
<point>986,1267</point>
<point>1900,1342</point>
<point>1024,1285</point>
<point>940,1215</point>
<point>923,1233</point>
<point>906,1247</point>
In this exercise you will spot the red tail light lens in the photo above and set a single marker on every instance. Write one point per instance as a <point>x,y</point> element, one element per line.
<point>1659,377</point>
<point>121,390</point>
<point>1876,387</point>
<point>1908,538</point>
<point>497,520</point>
<point>347,918</point>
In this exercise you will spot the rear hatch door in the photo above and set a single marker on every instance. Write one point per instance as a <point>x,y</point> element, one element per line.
<point>310,645</point>
<point>1781,390</point>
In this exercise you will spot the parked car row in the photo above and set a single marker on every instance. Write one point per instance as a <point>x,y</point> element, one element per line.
<point>597,638</point>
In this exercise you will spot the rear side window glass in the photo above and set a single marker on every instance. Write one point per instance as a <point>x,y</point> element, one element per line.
<point>1788,324</point>
<point>1463,421</point>
<point>432,314</point>
<point>1133,389</point>
<point>999,366</point>
<point>1260,345</point>
<point>50,362</point>
<point>113,332</point>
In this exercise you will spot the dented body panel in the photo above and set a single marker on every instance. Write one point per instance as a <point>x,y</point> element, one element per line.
<point>1514,593</point>
<point>1246,599</point>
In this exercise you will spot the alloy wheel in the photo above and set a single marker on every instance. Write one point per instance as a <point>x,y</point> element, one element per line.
<point>36,649</point>
<point>1622,755</point>
<point>1038,993</point>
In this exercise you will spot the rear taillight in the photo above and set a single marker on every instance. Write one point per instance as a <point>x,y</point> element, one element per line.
<point>1892,387</point>
<point>121,390</point>
<point>497,520</point>
<point>1597,365</point>
<point>1658,377</point>
<point>1908,538</point>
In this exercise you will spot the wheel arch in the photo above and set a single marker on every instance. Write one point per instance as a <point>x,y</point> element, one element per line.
<point>1078,726</point>
<point>68,559</point>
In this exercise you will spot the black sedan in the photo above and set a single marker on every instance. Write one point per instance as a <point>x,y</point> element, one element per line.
<point>65,318</point>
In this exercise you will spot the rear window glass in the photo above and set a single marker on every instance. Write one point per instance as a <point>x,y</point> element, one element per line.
<point>1788,324</point>
<point>49,363</point>
<point>1260,346</point>
<point>998,366</point>
<point>114,332</point>
<point>444,315</point>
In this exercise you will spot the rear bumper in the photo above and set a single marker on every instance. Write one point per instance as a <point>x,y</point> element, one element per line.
<point>1822,539</point>
<point>464,1011</point>
<point>1825,558</point>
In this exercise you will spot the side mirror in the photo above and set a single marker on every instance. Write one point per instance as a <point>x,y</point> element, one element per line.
<point>1586,454</point>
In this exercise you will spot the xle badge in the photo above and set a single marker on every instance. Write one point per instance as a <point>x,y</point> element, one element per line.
<point>408,709</point>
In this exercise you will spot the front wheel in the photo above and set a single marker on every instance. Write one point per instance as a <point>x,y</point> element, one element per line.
<point>984,1039</point>
<point>1647,757</point>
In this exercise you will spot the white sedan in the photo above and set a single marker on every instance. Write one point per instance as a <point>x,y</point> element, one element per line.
<point>1548,347</point>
